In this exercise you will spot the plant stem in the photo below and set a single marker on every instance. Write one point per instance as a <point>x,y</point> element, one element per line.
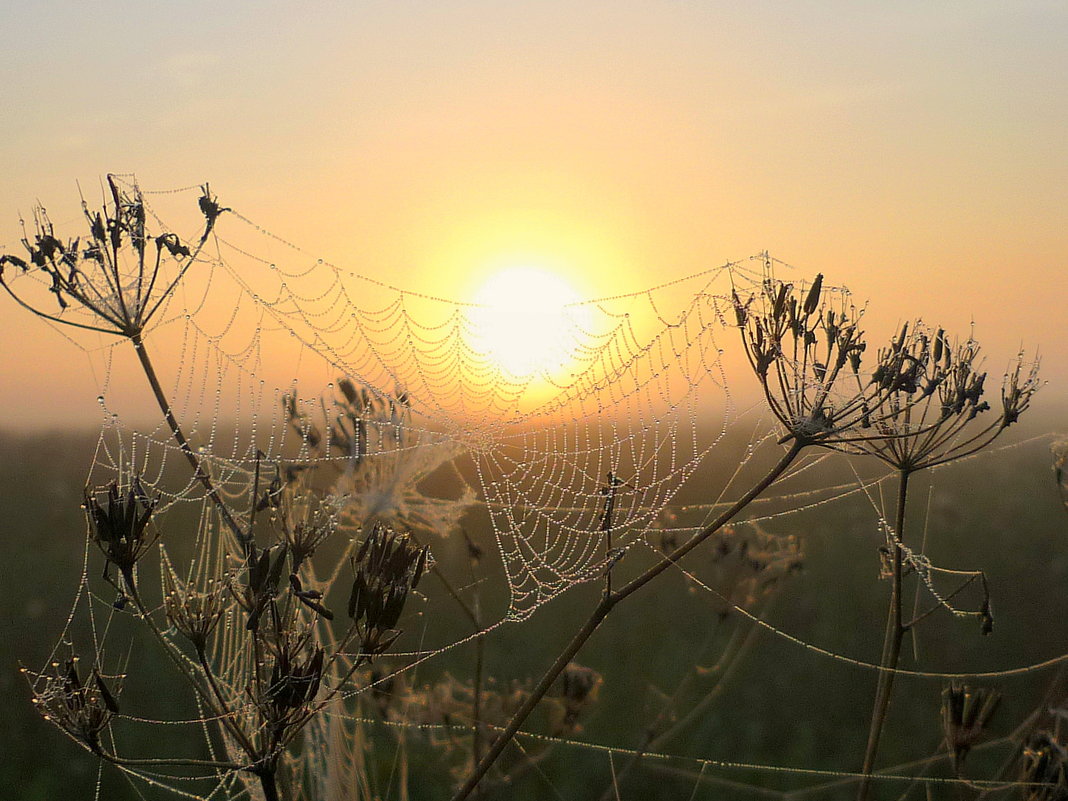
<point>655,729</point>
<point>733,656</point>
<point>224,706</point>
<point>895,634</point>
<point>472,615</point>
<point>198,469</point>
<point>476,740</point>
<point>601,611</point>
<point>270,786</point>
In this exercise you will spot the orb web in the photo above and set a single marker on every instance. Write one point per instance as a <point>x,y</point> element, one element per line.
<point>256,336</point>
<point>280,366</point>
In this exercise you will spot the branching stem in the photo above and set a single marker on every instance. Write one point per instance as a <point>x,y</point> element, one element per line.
<point>602,610</point>
<point>194,461</point>
<point>895,634</point>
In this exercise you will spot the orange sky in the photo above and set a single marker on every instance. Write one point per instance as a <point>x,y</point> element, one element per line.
<point>913,151</point>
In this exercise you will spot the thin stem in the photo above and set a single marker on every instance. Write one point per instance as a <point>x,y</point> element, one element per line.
<point>895,635</point>
<point>536,694</point>
<point>476,739</point>
<point>198,469</point>
<point>224,706</point>
<point>472,615</point>
<point>601,611</point>
<point>221,713</point>
<point>943,603</point>
<point>177,762</point>
<point>733,655</point>
<point>52,317</point>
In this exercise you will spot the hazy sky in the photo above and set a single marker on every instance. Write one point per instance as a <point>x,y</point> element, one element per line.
<point>914,151</point>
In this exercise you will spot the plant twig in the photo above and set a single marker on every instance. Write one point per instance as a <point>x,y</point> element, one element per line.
<point>895,635</point>
<point>606,605</point>
<point>194,461</point>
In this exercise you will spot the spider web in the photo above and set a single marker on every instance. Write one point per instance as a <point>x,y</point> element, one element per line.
<point>263,347</point>
<point>624,422</point>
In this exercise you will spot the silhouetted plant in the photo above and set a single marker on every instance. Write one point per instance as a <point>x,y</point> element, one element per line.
<point>279,651</point>
<point>966,716</point>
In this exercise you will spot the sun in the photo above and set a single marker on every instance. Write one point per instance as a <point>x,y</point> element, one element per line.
<point>526,320</point>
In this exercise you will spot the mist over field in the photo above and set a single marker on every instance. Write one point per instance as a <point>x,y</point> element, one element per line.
<point>786,704</point>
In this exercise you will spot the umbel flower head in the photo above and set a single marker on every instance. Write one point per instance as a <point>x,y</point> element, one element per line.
<point>113,273</point>
<point>799,340</point>
<point>82,709</point>
<point>933,399</point>
<point>193,611</point>
<point>388,566</point>
<point>913,409</point>
<point>119,526</point>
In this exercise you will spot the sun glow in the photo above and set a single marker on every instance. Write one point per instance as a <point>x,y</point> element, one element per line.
<point>526,322</point>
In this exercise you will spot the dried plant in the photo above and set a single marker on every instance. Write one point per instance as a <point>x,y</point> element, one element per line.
<point>194,613</point>
<point>933,397</point>
<point>298,588</point>
<point>83,710</point>
<point>264,675</point>
<point>966,716</point>
<point>388,566</point>
<point>121,529</point>
<point>746,565</point>
<point>579,687</point>
<point>383,458</point>
<point>111,279</point>
<point>799,340</point>
<point>920,405</point>
<point>1044,768</point>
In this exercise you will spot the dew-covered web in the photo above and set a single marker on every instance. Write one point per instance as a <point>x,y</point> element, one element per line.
<point>281,369</point>
<point>251,345</point>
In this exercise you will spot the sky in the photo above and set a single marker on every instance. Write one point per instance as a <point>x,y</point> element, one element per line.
<point>913,151</point>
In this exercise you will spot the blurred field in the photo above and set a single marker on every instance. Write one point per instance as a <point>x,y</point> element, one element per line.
<point>785,705</point>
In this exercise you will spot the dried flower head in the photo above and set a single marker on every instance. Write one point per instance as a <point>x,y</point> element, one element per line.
<point>388,566</point>
<point>913,411</point>
<point>119,526</point>
<point>798,341</point>
<point>966,714</point>
<point>746,564</point>
<point>295,677</point>
<point>578,688</point>
<point>82,710</point>
<point>931,396</point>
<point>1044,768</point>
<point>114,274</point>
<point>194,613</point>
